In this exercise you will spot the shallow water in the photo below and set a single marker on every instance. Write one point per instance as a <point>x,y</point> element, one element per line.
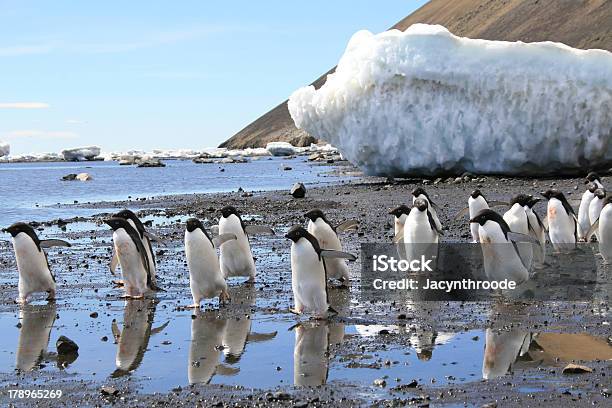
<point>30,188</point>
<point>161,349</point>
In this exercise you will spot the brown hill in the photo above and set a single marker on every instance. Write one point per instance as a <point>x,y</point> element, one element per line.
<point>578,23</point>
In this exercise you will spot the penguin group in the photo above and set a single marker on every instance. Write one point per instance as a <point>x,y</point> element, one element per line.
<point>317,256</point>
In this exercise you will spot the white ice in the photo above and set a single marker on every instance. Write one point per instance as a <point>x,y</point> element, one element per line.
<point>5,149</point>
<point>425,101</point>
<point>81,153</point>
<point>280,148</point>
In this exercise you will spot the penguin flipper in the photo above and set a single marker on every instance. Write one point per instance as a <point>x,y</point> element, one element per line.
<point>498,204</point>
<point>160,328</point>
<point>258,230</point>
<point>348,225</point>
<point>518,237</point>
<point>332,311</point>
<point>114,262</point>
<point>592,230</point>
<point>257,337</point>
<point>330,253</point>
<point>49,243</point>
<point>462,213</point>
<point>223,238</point>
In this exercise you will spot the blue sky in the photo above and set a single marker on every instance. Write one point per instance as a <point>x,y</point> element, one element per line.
<point>183,74</point>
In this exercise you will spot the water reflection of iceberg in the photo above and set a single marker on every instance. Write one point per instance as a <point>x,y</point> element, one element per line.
<point>34,334</point>
<point>133,340</point>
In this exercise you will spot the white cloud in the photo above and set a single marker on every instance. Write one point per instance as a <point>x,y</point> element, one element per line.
<point>40,134</point>
<point>23,105</point>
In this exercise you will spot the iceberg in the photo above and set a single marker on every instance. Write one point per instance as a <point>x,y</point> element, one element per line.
<point>5,149</point>
<point>81,153</point>
<point>426,102</point>
<point>280,148</point>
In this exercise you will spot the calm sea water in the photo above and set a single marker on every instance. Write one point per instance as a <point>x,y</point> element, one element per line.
<point>30,188</point>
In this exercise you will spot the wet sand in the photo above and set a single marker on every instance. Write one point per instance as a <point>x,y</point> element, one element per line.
<point>84,287</point>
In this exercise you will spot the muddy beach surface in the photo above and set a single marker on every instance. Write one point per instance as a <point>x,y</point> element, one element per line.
<point>251,352</point>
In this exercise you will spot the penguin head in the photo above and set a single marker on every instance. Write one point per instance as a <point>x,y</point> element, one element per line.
<point>193,224</point>
<point>18,228</point>
<point>591,177</point>
<point>399,211</point>
<point>600,193</point>
<point>314,214</point>
<point>419,191</point>
<point>487,215</point>
<point>521,199</point>
<point>421,204</point>
<point>296,232</point>
<point>475,194</point>
<point>533,201</point>
<point>129,215</point>
<point>552,193</point>
<point>117,223</point>
<point>228,210</point>
<point>592,187</point>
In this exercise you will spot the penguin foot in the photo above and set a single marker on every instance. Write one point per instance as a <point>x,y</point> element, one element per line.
<point>193,306</point>
<point>21,301</point>
<point>295,311</point>
<point>118,283</point>
<point>224,298</point>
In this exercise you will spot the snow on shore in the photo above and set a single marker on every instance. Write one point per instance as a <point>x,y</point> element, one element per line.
<point>425,101</point>
<point>5,149</point>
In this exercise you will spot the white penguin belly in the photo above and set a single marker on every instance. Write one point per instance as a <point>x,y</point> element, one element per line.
<point>517,220</point>
<point>308,279</point>
<point>132,268</point>
<point>605,233</point>
<point>34,274</point>
<point>561,227</point>
<point>475,206</point>
<point>584,222</point>
<point>205,277</point>
<point>594,210</point>
<point>501,260</point>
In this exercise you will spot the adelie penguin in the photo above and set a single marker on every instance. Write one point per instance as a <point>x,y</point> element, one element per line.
<point>205,278</point>
<point>421,234</point>
<point>476,203</point>
<point>420,193</point>
<point>595,207</point>
<point>562,223</point>
<point>501,256</point>
<point>517,220</point>
<point>399,213</point>
<point>538,230</point>
<point>132,256</point>
<point>326,235</point>
<point>584,223</point>
<point>236,257</point>
<point>603,227</point>
<point>308,275</point>
<point>32,264</point>
<point>594,178</point>
<point>145,237</point>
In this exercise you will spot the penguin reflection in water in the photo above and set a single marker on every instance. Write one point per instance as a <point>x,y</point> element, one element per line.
<point>205,278</point>
<point>308,274</point>
<point>34,332</point>
<point>32,264</point>
<point>327,236</point>
<point>311,354</point>
<point>236,258</point>
<point>133,340</point>
<point>132,256</point>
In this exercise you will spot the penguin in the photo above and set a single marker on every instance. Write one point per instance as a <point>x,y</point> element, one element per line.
<point>420,226</point>
<point>476,203</point>
<point>538,231</point>
<point>311,354</point>
<point>584,223</point>
<point>133,341</point>
<point>327,237</point>
<point>145,237</point>
<point>595,207</point>
<point>205,278</point>
<point>517,220</point>
<point>593,177</point>
<point>308,274</point>
<point>500,254</point>
<point>562,222</point>
<point>502,349</point>
<point>32,264</point>
<point>422,194</point>
<point>400,214</point>
<point>603,227</point>
<point>132,256</point>
<point>236,258</point>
